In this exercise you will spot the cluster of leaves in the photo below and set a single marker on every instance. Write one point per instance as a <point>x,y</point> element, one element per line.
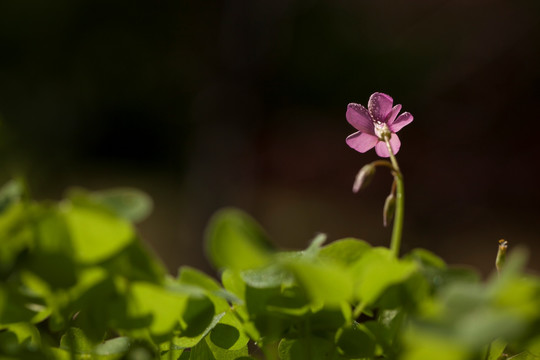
<point>77,283</point>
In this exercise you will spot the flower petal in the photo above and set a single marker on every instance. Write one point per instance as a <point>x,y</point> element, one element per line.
<point>358,116</point>
<point>361,142</point>
<point>401,121</point>
<point>382,150</point>
<point>379,105</point>
<point>392,114</point>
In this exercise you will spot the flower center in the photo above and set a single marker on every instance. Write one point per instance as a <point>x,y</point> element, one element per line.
<point>381,130</point>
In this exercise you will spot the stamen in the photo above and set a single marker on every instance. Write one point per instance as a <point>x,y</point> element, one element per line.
<point>381,130</point>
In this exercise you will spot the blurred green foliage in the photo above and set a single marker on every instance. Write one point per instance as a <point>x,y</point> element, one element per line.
<point>77,283</point>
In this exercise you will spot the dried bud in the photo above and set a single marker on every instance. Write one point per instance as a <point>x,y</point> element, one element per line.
<point>501,255</point>
<point>389,209</point>
<point>363,178</point>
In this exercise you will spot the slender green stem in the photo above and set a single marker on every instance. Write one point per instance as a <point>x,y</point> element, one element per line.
<point>398,219</point>
<point>397,230</point>
<point>392,156</point>
<point>171,351</point>
<point>358,310</point>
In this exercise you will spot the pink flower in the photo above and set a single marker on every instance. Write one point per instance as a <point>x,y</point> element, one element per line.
<point>375,123</point>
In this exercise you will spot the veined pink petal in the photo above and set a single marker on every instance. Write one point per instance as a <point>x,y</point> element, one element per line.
<point>392,114</point>
<point>401,121</point>
<point>379,105</point>
<point>361,142</point>
<point>382,150</point>
<point>358,116</point>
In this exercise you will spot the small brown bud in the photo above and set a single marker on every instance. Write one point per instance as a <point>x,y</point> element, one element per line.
<point>501,255</point>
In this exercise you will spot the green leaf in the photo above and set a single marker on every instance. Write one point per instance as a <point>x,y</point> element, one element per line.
<point>13,306</point>
<point>426,345</point>
<point>383,337</point>
<point>186,355</point>
<point>496,349</point>
<point>26,333</point>
<point>226,336</point>
<point>291,301</point>
<point>130,204</point>
<point>257,299</point>
<point>113,349</point>
<point>483,325</point>
<point>226,354</point>
<point>13,346</point>
<point>534,346</point>
<point>440,278</point>
<point>202,352</point>
<point>63,354</point>
<point>52,256</point>
<point>356,342</point>
<point>460,298</point>
<point>197,315</point>
<point>188,342</point>
<point>97,234</point>
<point>330,319</point>
<point>176,353</point>
<point>312,348</point>
<point>272,276</point>
<point>525,355</point>
<point>315,245</point>
<point>515,263</point>
<point>376,271</point>
<point>136,262</point>
<point>393,321</point>
<point>345,251</point>
<point>426,258</point>
<point>233,282</point>
<point>141,352</point>
<point>407,294</point>
<point>11,193</point>
<point>517,292</point>
<point>266,308</point>
<point>116,346</point>
<point>234,240</point>
<point>228,333</point>
<point>15,236</point>
<point>324,283</point>
<point>211,288</point>
<point>92,300</point>
<point>207,350</point>
<point>75,340</point>
<point>191,276</point>
<point>163,306</point>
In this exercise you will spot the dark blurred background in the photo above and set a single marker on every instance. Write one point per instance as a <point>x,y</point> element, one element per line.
<point>205,104</point>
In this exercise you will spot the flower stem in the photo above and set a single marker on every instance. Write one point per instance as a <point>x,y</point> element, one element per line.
<point>392,156</point>
<point>358,310</point>
<point>383,163</point>
<point>397,230</point>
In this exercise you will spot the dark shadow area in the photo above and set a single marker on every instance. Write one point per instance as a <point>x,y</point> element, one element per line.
<point>205,104</point>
